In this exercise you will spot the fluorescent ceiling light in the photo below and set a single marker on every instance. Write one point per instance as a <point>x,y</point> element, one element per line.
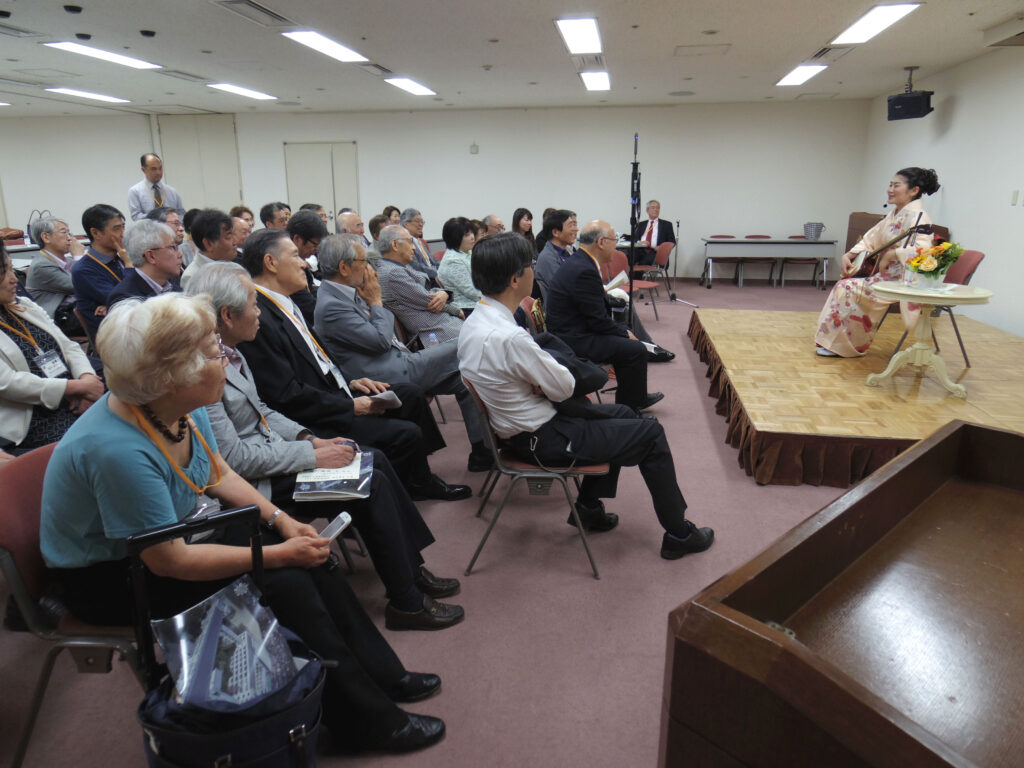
<point>410,85</point>
<point>873,22</point>
<point>325,45</point>
<point>240,91</point>
<point>5,104</point>
<point>87,95</point>
<point>97,53</point>
<point>596,81</point>
<point>580,35</point>
<point>802,74</point>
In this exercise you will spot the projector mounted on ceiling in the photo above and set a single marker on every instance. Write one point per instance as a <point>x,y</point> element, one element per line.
<point>910,103</point>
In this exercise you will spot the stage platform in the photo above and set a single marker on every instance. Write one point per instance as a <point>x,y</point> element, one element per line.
<point>799,418</point>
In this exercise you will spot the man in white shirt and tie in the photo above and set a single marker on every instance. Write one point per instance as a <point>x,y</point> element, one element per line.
<point>652,233</point>
<point>151,192</point>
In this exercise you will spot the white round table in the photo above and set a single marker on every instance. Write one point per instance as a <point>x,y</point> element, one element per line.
<point>920,352</point>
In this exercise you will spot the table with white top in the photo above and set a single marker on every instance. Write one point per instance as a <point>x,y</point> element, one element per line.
<point>773,250</point>
<point>921,352</point>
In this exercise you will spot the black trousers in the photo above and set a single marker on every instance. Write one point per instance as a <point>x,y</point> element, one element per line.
<point>406,435</point>
<point>629,358</point>
<point>595,434</point>
<point>317,604</point>
<point>389,522</point>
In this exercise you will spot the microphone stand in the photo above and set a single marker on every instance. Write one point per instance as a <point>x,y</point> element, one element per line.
<point>675,266</point>
<point>634,211</point>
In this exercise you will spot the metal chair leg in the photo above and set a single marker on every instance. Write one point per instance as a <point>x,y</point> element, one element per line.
<point>579,527</point>
<point>35,706</point>
<point>487,496</point>
<point>490,527</point>
<point>956,330</point>
<point>440,412</point>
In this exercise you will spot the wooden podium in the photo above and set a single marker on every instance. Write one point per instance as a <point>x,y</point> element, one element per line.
<point>885,630</point>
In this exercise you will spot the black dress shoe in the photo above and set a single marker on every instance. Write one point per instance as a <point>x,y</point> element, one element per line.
<point>699,539</point>
<point>660,355</point>
<point>439,489</point>
<point>435,586</point>
<point>421,731</point>
<point>594,520</point>
<point>480,461</point>
<point>414,686</point>
<point>650,399</point>
<point>434,615</point>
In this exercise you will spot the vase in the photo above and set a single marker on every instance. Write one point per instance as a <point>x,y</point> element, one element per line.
<point>930,281</point>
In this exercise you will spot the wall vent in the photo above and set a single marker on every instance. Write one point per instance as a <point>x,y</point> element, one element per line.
<point>255,12</point>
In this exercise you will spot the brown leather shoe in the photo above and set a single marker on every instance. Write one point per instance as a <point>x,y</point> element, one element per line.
<point>434,616</point>
<point>435,586</point>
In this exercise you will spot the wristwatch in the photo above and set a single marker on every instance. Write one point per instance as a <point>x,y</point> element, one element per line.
<point>272,518</point>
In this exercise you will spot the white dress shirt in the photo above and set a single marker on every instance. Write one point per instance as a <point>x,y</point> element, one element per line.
<point>503,363</point>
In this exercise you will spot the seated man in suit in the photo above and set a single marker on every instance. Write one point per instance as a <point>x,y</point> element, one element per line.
<point>576,312</point>
<point>652,233</point>
<point>275,215</point>
<point>268,449</point>
<point>213,234</point>
<point>296,376</point>
<point>421,312</point>
<point>157,263</point>
<point>422,260</point>
<point>170,217</point>
<point>96,274</point>
<point>527,394</point>
<point>359,334</point>
<point>560,228</point>
<point>306,229</point>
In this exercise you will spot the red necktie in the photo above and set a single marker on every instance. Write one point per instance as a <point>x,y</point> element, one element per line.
<point>647,235</point>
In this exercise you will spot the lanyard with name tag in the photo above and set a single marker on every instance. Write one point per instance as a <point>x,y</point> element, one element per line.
<point>50,364</point>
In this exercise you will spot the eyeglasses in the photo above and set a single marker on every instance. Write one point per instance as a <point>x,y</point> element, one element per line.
<point>222,355</point>
<point>172,246</point>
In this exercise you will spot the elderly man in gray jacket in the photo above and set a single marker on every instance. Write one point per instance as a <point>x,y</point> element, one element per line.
<point>359,333</point>
<point>268,449</point>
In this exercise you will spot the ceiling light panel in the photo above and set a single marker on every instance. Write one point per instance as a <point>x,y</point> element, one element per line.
<point>874,21</point>
<point>802,74</point>
<point>580,35</point>
<point>240,91</point>
<point>99,53</point>
<point>596,81</point>
<point>88,95</point>
<point>410,85</point>
<point>325,45</point>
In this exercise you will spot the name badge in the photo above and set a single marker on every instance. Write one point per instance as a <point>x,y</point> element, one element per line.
<point>51,365</point>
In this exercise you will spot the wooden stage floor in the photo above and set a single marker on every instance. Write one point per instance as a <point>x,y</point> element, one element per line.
<point>797,417</point>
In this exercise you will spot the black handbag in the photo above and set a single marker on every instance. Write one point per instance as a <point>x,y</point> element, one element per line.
<point>279,731</point>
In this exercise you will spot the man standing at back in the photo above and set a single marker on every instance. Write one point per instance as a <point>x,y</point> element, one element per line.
<point>151,192</point>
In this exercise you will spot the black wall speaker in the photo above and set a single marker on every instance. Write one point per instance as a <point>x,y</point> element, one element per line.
<point>903,106</point>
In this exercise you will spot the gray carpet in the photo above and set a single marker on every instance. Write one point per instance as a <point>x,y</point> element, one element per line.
<point>550,668</point>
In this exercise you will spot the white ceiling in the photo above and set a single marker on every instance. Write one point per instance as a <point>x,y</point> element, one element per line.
<point>446,46</point>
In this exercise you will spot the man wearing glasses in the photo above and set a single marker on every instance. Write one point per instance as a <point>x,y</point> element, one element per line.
<point>157,263</point>
<point>422,261</point>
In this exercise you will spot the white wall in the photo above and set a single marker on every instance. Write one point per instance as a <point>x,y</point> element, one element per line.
<point>733,168</point>
<point>973,141</point>
<point>67,164</point>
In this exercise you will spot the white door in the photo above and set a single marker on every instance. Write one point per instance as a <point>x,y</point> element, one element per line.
<point>323,173</point>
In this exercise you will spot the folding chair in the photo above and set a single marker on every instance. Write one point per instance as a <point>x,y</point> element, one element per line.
<point>706,276</point>
<point>539,480</point>
<point>91,647</point>
<point>620,263</point>
<point>660,266</point>
<point>808,261</point>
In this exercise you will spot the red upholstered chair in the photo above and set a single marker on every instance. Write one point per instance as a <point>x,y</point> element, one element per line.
<point>706,275</point>
<point>438,255</point>
<point>771,271</point>
<point>539,480</point>
<point>91,647</point>
<point>660,266</point>
<point>808,261</point>
<point>620,263</point>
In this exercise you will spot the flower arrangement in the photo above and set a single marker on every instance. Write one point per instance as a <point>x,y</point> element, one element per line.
<point>936,260</point>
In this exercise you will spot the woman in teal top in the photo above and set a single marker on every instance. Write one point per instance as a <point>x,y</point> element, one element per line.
<point>454,273</point>
<point>142,456</point>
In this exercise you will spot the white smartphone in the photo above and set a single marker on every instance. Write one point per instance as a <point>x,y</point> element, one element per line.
<point>336,526</point>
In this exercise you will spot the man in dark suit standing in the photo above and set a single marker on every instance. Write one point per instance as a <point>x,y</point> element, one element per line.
<point>576,312</point>
<point>649,234</point>
<point>294,375</point>
<point>157,263</point>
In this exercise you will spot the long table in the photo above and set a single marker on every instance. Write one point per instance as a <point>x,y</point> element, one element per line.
<point>774,250</point>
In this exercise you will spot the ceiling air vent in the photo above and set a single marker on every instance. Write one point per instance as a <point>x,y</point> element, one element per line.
<point>829,55</point>
<point>12,31</point>
<point>589,63</point>
<point>375,69</point>
<point>255,12</point>
<point>179,75</point>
